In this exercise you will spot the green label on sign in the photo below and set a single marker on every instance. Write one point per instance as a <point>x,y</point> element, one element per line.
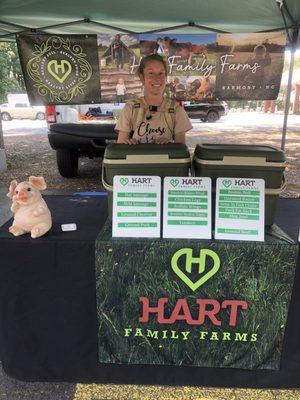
<point>145,195</point>
<point>137,225</point>
<point>186,214</point>
<point>238,231</point>
<point>187,200</point>
<point>136,204</point>
<point>191,223</point>
<point>187,193</point>
<point>136,214</point>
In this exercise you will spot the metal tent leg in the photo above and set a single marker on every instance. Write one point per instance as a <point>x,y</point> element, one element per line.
<point>289,89</point>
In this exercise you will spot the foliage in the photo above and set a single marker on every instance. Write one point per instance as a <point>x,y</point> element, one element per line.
<point>280,105</point>
<point>287,59</point>
<point>11,77</point>
<point>244,104</point>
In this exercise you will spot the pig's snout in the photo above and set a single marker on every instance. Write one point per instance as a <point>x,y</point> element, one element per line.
<point>22,195</point>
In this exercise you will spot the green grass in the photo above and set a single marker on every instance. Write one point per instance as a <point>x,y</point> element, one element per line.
<point>261,274</point>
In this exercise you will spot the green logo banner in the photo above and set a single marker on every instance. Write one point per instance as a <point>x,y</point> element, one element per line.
<point>60,69</point>
<point>196,303</point>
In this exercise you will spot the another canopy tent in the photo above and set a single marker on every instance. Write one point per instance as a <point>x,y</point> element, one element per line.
<point>137,16</point>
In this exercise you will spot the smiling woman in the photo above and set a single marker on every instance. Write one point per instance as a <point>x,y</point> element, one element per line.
<point>153,118</point>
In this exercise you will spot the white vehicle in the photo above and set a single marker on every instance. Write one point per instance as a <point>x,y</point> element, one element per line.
<point>21,111</point>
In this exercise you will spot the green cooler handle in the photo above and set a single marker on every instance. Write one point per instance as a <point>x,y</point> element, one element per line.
<point>106,186</point>
<point>279,190</point>
<point>107,141</point>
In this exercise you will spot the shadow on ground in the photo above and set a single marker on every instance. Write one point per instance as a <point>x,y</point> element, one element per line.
<point>12,389</point>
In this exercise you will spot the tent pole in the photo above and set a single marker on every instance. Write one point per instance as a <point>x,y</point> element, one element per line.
<point>3,165</point>
<point>289,89</point>
<point>287,98</point>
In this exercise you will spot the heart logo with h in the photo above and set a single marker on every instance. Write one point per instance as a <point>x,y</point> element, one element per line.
<point>59,71</point>
<point>174,182</point>
<point>124,181</point>
<point>206,269</point>
<point>226,183</point>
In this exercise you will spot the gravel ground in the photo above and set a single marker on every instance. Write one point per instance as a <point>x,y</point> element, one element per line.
<point>32,155</point>
<point>12,389</point>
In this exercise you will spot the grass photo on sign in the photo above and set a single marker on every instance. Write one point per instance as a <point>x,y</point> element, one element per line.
<point>259,274</point>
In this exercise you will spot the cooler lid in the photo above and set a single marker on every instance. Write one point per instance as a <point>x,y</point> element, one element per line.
<point>121,151</point>
<point>208,151</point>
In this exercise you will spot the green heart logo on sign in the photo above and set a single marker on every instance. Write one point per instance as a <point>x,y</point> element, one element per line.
<point>59,71</point>
<point>226,182</point>
<point>124,181</point>
<point>174,182</point>
<point>202,268</point>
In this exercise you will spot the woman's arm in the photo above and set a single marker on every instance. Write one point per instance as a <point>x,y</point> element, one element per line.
<point>124,138</point>
<point>124,126</point>
<point>180,137</point>
<point>182,125</point>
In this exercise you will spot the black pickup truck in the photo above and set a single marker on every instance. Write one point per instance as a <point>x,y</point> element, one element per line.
<point>206,111</point>
<point>72,141</point>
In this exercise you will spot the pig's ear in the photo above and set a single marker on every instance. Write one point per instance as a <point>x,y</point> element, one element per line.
<point>38,182</point>
<point>12,187</point>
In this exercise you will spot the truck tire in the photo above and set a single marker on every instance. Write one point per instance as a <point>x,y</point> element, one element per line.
<point>5,116</point>
<point>40,116</point>
<point>212,116</point>
<point>67,162</point>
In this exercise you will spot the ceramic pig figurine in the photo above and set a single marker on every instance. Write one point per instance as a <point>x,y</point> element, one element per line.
<point>31,213</point>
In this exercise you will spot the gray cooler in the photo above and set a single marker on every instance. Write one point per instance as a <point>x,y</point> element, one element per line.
<point>163,160</point>
<point>244,161</point>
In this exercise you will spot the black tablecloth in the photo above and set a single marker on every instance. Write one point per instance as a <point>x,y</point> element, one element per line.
<point>48,320</point>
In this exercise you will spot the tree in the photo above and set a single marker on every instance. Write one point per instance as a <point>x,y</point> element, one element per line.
<point>11,77</point>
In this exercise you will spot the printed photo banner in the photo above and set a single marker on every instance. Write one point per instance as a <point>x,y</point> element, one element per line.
<point>60,69</point>
<point>250,65</point>
<point>194,303</point>
<point>119,57</point>
<point>201,67</point>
